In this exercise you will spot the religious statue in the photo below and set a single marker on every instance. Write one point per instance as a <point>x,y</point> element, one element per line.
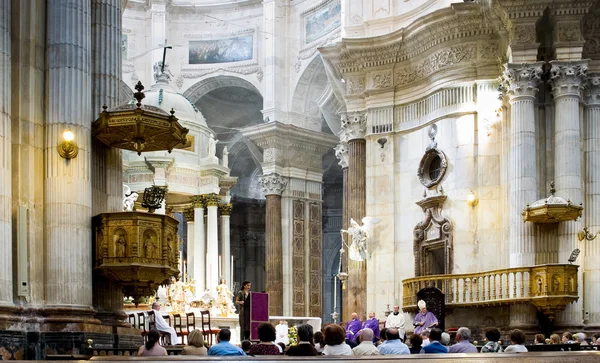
<point>224,299</point>
<point>212,146</point>
<point>129,199</point>
<point>120,245</point>
<point>149,245</point>
<point>225,157</point>
<point>164,72</point>
<point>360,236</point>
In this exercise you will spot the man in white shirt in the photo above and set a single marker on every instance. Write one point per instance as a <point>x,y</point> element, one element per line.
<point>366,346</point>
<point>161,324</point>
<point>281,333</point>
<point>396,320</point>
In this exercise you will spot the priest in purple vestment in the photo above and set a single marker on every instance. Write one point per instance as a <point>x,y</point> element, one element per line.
<point>373,324</point>
<point>424,319</point>
<point>353,327</point>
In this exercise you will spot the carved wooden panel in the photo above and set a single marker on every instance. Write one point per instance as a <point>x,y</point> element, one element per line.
<point>315,288</point>
<point>298,259</point>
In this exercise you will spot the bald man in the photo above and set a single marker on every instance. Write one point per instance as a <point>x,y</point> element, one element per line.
<point>396,320</point>
<point>373,324</point>
<point>353,327</point>
<point>366,346</point>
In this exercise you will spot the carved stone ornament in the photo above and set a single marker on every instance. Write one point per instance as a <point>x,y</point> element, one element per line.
<point>522,79</point>
<point>354,126</point>
<point>592,89</point>
<point>273,184</point>
<point>433,165</point>
<point>523,34</point>
<point>226,209</point>
<point>212,200</point>
<point>552,210</point>
<point>198,201</point>
<point>382,79</point>
<point>189,214</point>
<point>567,78</point>
<point>355,85</point>
<point>153,197</point>
<point>568,32</point>
<point>341,152</point>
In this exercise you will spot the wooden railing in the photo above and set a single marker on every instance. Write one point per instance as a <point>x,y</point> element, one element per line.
<point>549,287</point>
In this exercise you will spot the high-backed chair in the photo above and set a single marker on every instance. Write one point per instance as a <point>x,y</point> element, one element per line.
<point>142,325</point>
<point>207,331</point>
<point>190,322</point>
<point>165,337</point>
<point>178,326</point>
<point>131,319</point>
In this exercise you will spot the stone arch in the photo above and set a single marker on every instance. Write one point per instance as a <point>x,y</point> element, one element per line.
<point>207,85</point>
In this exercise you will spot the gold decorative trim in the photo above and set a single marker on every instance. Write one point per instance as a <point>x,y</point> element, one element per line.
<point>226,209</point>
<point>198,201</point>
<point>212,200</point>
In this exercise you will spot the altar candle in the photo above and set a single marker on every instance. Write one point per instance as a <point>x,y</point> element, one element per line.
<point>219,266</point>
<point>231,276</point>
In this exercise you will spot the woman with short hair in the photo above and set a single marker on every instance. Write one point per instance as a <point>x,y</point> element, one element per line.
<point>554,339</point>
<point>517,338</point>
<point>305,342</point>
<point>335,341</point>
<point>195,345</point>
<point>266,335</point>
<point>152,348</point>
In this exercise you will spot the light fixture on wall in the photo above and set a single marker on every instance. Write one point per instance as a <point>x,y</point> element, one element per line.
<point>68,148</point>
<point>472,199</point>
<point>585,234</point>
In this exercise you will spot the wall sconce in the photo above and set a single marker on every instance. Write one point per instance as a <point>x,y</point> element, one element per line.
<point>67,148</point>
<point>472,199</point>
<point>585,234</point>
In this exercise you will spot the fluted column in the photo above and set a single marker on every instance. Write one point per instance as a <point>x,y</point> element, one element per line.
<point>273,186</point>
<point>225,242</point>
<point>591,275</point>
<point>199,261</point>
<point>521,81</point>
<point>567,79</point>
<point>6,283</point>
<point>68,197</point>
<point>189,219</point>
<point>341,152</point>
<point>212,241</point>
<point>354,128</point>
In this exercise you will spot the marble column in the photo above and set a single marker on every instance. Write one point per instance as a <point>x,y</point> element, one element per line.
<point>567,80</point>
<point>341,152</point>
<point>354,127</point>
<point>591,133</point>
<point>6,250</point>
<point>189,219</point>
<point>273,186</point>
<point>199,261</point>
<point>212,242</point>
<point>521,81</point>
<point>68,200</point>
<point>226,242</point>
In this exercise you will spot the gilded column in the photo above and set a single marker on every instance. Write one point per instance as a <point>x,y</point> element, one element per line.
<point>354,128</point>
<point>189,219</point>
<point>273,186</point>
<point>199,261</point>
<point>341,152</point>
<point>567,79</point>
<point>6,283</point>
<point>68,200</point>
<point>591,134</point>
<point>212,241</point>
<point>521,81</point>
<point>225,242</point>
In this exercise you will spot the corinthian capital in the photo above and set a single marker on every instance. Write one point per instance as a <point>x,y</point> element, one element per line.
<point>522,79</point>
<point>567,78</point>
<point>592,89</point>
<point>341,152</point>
<point>354,126</point>
<point>272,184</point>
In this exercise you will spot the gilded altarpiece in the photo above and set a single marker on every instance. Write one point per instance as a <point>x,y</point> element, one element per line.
<point>315,235</point>
<point>298,259</point>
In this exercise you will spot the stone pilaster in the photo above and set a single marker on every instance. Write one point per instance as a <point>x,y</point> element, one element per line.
<point>354,128</point>
<point>107,164</point>
<point>567,79</point>
<point>521,81</point>
<point>226,242</point>
<point>273,186</point>
<point>198,264</point>
<point>212,241</point>
<point>6,283</point>
<point>591,213</point>
<point>188,214</point>
<point>68,200</point>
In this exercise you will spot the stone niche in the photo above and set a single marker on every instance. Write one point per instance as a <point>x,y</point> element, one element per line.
<point>137,251</point>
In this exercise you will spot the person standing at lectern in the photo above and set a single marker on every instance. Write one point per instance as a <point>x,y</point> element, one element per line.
<point>243,301</point>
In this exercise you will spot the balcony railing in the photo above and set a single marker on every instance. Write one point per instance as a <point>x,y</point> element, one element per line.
<point>549,287</point>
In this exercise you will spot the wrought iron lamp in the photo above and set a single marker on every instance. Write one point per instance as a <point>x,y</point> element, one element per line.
<point>68,148</point>
<point>586,235</point>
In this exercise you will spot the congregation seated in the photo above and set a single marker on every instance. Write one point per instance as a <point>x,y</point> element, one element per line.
<point>335,341</point>
<point>224,347</point>
<point>435,335</point>
<point>425,336</point>
<point>318,338</point>
<point>246,344</point>
<point>539,339</point>
<point>266,335</point>
<point>152,348</point>
<point>445,339</point>
<point>492,346</point>
<point>555,339</point>
<point>195,345</point>
<point>365,343</point>
<point>393,345</point>
<point>567,338</point>
<point>304,346</point>
<point>416,342</point>
<point>463,344</point>
<point>517,339</point>
<point>581,339</point>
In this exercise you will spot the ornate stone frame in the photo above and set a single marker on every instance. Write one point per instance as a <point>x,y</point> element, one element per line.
<point>424,165</point>
<point>426,238</point>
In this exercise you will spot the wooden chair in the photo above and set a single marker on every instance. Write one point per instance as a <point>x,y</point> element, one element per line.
<point>165,337</point>
<point>131,318</point>
<point>190,322</point>
<point>207,331</point>
<point>142,325</point>
<point>178,326</point>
